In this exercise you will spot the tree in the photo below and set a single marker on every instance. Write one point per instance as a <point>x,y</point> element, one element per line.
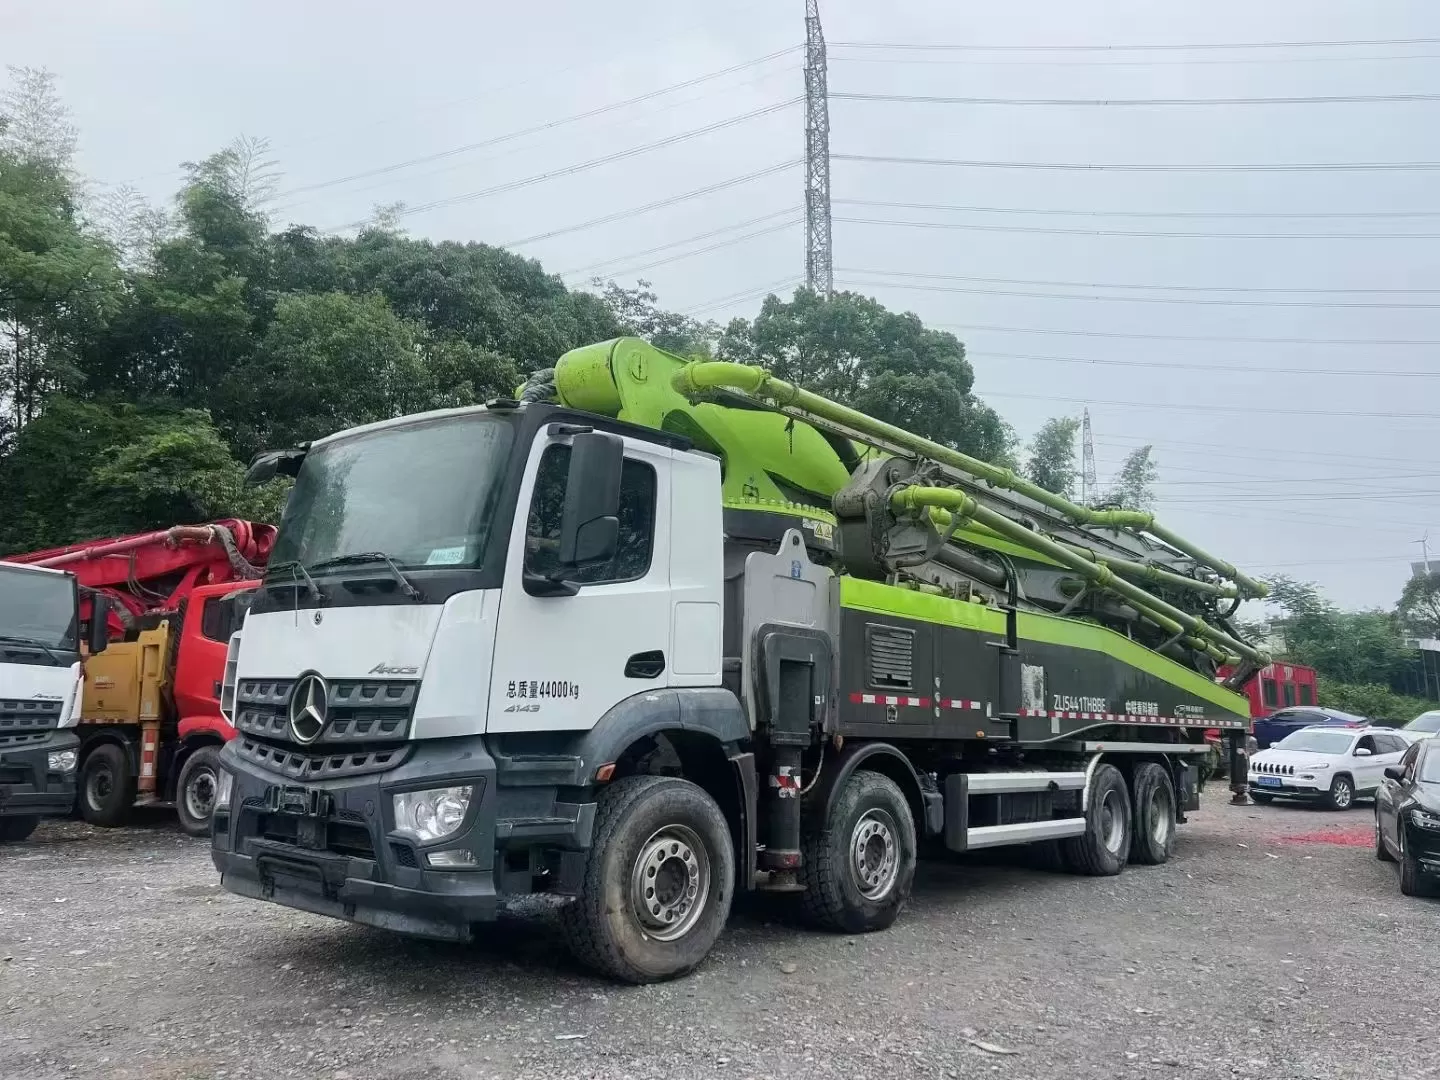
<point>637,313</point>
<point>854,350</point>
<point>1356,647</point>
<point>1419,607</point>
<point>1052,456</point>
<point>1134,485</point>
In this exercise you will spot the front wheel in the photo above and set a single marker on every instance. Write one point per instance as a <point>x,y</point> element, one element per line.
<point>1103,848</point>
<point>15,829</point>
<point>1342,794</point>
<point>1381,851</point>
<point>107,786</point>
<point>658,882</point>
<point>1412,881</point>
<point>1262,797</point>
<point>195,797</point>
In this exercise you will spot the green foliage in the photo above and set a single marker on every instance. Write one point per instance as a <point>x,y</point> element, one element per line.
<point>1353,647</point>
<point>1372,700</point>
<point>637,313</point>
<point>854,350</point>
<point>1134,485</point>
<point>1419,607</point>
<point>1052,456</point>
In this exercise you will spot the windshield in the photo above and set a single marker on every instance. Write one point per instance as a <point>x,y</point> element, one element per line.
<point>1426,721</point>
<point>422,493</point>
<point>1318,742</point>
<point>1430,768</point>
<point>37,606</point>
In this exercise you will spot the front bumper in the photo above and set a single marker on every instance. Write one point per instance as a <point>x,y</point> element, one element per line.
<point>27,786</point>
<point>1292,787</point>
<point>329,846</point>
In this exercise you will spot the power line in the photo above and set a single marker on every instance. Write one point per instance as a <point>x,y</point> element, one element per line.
<point>789,210</point>
<point>1049,230</point>
<point>748,294</point>
<point>1168,47</point>
<point>1130,285</point>
<point>1305,166</point>
<point>707,249</point>
<point>534,129</point>
<point>1142,213</point>
<point>1205,407</point>
<point>570,170</point>
<point>1322,99</point>
<point>1188,61</point>
<point>658,204</point>
<point>1229,369</point>
<point>1265,453</point>
<point>1329,304</point>
<point>1189,337</point>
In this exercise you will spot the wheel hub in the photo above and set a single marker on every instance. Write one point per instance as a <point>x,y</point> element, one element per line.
<point>1161,817</point>
<point>99,786</point>
<point>874,854</point>
<point>200,794</point>
<point>1112,821</point>
<point>1342,794</point>
<point>670,882</point>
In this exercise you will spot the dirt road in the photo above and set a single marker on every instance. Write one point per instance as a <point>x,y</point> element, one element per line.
<point>1267,948</point>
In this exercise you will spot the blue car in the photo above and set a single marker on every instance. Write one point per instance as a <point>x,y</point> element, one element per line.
<point>1271,729</point>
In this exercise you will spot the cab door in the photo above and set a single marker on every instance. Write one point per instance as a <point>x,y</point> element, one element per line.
<point>560,661</point>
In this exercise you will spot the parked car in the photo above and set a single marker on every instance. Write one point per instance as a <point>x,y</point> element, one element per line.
<point>1269,730</point>
<point>1407,818</point>
<point>1326,763</point>
<point>1424,726</point>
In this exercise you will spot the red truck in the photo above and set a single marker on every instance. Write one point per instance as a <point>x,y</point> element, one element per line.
<point>150,724</point>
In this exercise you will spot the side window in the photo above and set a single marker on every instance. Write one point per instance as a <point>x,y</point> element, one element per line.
<point>1307,694</point>
<point>217,618</point>
<point>1267,692</point>
<point>1388,744</point>
<point>1367,742</point>
<point>637,521</point>
<point>1289,689</point>
<point>1408,761</point>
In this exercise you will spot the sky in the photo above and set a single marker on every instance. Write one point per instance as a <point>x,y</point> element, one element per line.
<point>1284,368</point>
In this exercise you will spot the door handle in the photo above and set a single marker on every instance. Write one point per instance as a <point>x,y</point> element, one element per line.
<point>645,665</point>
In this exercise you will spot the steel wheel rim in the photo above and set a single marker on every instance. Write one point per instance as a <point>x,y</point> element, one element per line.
<point>1343,793</point>
<point>1112,821</point>
<point>670,883</point>
<point>200,794</point>
<point>1162,817</point>
<point>98,785</point>
<point>874,854</point>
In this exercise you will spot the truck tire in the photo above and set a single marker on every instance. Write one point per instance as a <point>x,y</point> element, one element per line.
<point>858,864</point>
<point>1152,839</point>
<point>658,882</point>
<point>18,828</point>
<point>1104,847</point>
<point>195,790</point>
<point>107,786</point>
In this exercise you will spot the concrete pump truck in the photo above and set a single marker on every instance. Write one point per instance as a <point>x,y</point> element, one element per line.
<point>657,630</point>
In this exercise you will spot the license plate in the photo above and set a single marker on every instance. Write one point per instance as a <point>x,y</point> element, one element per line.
<point>1268,781</point>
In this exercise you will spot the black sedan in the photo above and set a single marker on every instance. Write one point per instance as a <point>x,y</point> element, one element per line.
<point>1407,818</point>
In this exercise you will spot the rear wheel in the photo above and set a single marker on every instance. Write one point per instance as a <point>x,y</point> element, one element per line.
<point>858,864</point>
<point>1342,793</point>
<point>195,797</point>
<point>1153,832</point>
<point>15,829</point>
<point>1103,848</point>
<point>107,786</point>
<point>658,884</point>
<point>1381,851</point>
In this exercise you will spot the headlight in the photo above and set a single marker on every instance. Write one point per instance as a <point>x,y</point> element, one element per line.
<point>1424,819</point>
<point>433,814</point>
<point>61,761</point>
<point>223,786</point>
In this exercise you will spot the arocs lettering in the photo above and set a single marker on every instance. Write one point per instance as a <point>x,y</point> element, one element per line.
<point>539,688</point>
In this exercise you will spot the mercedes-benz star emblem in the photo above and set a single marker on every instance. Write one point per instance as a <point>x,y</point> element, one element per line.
<point>309,702</point>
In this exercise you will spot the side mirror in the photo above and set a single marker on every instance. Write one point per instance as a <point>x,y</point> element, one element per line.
<point>268,464</point>
<point>590,521</point>
<point>1360,751</point>
<point>99,638</point>
<point>1394,772</point>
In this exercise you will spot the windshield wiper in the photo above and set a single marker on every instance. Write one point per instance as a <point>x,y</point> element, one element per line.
<point>35,643</point>
<point>404,582</point>
<point>298,574</point>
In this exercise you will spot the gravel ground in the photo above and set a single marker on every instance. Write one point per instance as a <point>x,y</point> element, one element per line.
<point>1272,945</point>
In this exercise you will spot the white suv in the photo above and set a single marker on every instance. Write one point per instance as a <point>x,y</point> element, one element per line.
<point>1330,764</point>
<point>1424,726</point>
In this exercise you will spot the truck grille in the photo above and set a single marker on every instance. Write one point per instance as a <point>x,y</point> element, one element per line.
<point>303,765</point>
<point>29,715</point>
<point>357,710</point>
<point>891,656</point>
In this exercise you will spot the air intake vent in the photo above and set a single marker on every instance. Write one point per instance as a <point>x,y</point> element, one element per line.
<point>892,652</point>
